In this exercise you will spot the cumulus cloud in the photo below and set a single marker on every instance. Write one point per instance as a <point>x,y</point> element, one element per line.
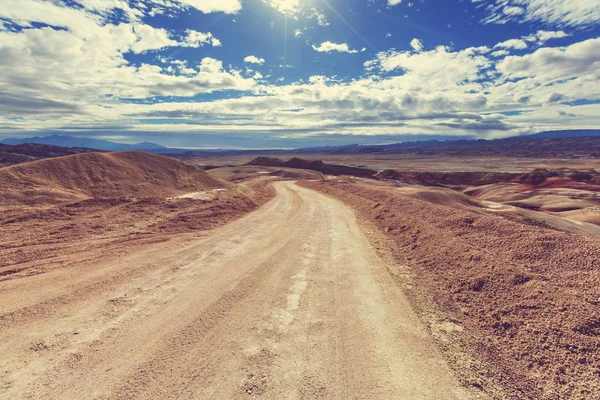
<point>439,64</point>
<point>84,61</point>
<point>198,39</point>
<point>517,44</point>
<point>416,45</point>
<point>500,53</point>
<point>290,7</point>
<point>73,70</point>
<point>552,63</point>
<point>541,37</point>
<point>211,6</point>
<point>254,60</point>
<point>328,47</point>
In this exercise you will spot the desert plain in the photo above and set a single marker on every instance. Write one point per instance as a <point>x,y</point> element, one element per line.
<point>131,275</point>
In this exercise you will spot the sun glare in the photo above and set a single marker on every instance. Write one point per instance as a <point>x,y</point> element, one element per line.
<point>285,6</point>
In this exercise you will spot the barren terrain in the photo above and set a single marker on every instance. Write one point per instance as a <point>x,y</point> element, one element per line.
<point>289,302</point>
<point>10,155</point>
<point>518,293</point>
<point>54,207</point>
<point>131,275</point>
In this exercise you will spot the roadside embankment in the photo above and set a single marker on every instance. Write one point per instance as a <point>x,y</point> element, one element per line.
<point>510,303</point>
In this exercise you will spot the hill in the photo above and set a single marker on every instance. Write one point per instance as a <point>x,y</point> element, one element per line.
<point>319,166</point>
<point>16,154</point>
<point>565,134</point>
<point>71,141</point>
<point>82,176</point>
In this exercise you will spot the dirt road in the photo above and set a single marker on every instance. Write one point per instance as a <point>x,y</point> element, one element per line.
<point>290,302</point>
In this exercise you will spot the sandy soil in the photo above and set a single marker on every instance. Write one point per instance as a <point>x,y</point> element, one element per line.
<point>32,238</point>
<point>288,302</point>
<point>517,299</point>
<point>245,172</point>
<point>74,204</point>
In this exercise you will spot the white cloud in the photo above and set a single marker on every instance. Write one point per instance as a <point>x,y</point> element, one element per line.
<point>298,9</point>
<point>552,63</point>
<point>517,44</point>
<point>500,53</point>
<point>182,67</point>
<point>254,60</point>
<point>328,47</point>
<point>320,17</point>
<point>416,45</point>
<point>541,37</point>
<point>211,6</point>
<point>198,39</point>
<point>49,70</point>
<point>576,13</point>
<point>289,7</point>
<point>394,2</point>
<point>513,10</point>
<point>78,76</point>
<point>439,65</point>
<point>298,33</point>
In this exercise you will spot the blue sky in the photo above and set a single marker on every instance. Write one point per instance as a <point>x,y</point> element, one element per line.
<point>289,73</point>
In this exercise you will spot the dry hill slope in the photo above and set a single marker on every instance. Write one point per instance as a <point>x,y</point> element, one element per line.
<point>518,295</point>
<point>83,176</point>
<point>54,207</point>
<point>10,155</point>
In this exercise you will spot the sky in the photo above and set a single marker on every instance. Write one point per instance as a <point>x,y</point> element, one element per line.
<point>297,73</point>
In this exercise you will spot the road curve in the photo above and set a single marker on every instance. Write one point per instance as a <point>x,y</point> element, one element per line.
<point>289,302</point>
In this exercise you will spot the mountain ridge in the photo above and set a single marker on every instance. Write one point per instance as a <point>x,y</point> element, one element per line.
<point>421,145</point>
<point>77,142</point>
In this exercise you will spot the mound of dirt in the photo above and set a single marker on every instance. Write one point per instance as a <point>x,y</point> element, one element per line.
<point>523,297</point>
<point>106,175</point>
<point>248,172</point>
<point>141,198</point>
<point>319,166</point>
<point>286,173</point>
<point>442,196</point>
<point>267,162</point>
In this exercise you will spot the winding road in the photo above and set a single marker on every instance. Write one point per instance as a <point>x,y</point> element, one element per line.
<point>289,302</point>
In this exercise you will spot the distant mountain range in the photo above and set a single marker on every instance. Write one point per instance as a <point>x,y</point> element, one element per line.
<point>71,141</point>
<point>565,134</point>
<point>437,146</point>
